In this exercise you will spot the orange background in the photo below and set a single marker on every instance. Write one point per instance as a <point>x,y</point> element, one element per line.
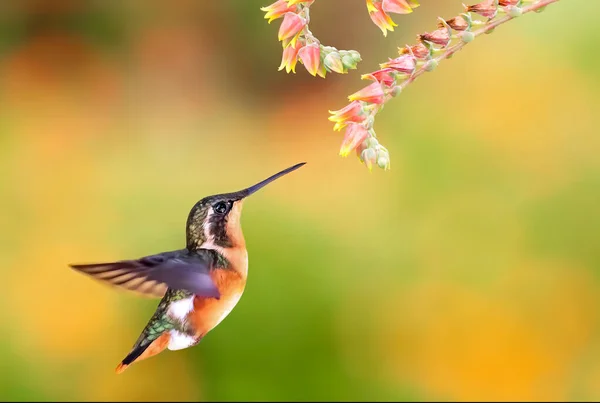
<point>469,271</point>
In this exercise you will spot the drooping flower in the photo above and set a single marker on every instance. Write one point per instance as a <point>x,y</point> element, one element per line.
<point>278,9</point>
<point>403,64</point>
<point>290,57</point>
<point>396,6</point>
<point>380,17</point>
<point>372,93</point>
<point>311,57</point>
<point>353,112</point>
<point>354,136</point>
<point>291,27</point>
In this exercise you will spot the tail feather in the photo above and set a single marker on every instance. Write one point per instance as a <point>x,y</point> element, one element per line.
<point>141,352</point>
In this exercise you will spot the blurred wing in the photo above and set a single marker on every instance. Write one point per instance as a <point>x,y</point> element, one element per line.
<point>152,275</point>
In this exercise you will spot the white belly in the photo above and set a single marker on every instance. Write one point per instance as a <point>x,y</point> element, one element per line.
<point>179,310</point>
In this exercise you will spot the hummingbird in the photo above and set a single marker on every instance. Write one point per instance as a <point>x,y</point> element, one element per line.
<point>199,284</point>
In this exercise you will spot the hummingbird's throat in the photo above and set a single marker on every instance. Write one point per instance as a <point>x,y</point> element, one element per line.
<point>224,232</point>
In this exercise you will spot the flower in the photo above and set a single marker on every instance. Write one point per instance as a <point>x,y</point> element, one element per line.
<point>291,27</point>
<point>380,17</point>
<point>294,2</point>
<point>350,59</point>
<point>396,6</point>
<point>439,37</point>
<point>420,51</point>
<point>311,57</point>
<point>487,8</point>
<point>353,112</point>
<point>290,57</point>
<point>369,156</point>
<point>506,3</point>
<point>333,61</point>
<point>278,9</point>
<point>354,136</point>
<point>459,23</point>
<point>294,29</point>
<point>384,76</point>
<point>372,93</point>
<point>404,64</point>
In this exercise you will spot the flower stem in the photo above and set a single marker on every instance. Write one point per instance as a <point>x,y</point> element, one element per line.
<point>485,29</point>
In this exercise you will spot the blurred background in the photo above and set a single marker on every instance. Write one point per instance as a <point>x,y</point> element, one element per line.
<point>469,271</point>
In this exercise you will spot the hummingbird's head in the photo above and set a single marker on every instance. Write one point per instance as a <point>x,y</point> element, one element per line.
<point>216,219</point>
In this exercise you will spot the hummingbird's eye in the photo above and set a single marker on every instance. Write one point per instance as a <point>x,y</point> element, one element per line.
<point>221,208</point>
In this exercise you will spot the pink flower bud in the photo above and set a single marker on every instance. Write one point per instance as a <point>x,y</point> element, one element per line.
<point>353,112</point>
<point>311,57</point>
<point>404,64</point>
<point>290,57</point>
<point>439,37</point>
<point>291,27</point>
<point>278,9</point>
<point>396,6</point>
<point>383,76</point>
<point>354,136</point>
<point>372,93</point>
<point>487,8</point>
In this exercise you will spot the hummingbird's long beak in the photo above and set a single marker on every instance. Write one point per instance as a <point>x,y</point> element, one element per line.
<point>252,189</point>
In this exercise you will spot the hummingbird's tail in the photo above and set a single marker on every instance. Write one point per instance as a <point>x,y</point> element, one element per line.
<point>142,351</point>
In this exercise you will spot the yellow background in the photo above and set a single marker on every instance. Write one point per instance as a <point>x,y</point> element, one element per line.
<point>468,271</point>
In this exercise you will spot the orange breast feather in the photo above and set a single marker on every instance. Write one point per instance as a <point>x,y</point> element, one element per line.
<point>209,312</point>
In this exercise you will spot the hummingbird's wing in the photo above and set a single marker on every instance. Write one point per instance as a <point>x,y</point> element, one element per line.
<point>152,275</point>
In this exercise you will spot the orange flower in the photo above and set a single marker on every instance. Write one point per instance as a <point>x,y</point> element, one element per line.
<point>311,57</point>
<point>354,136</point>
<point>380,17</point>
<point>396,6</point>
<point>383,76</point>
<point>372,93</point>
<point>404,64</point>
<point>277,9</point>
<point>291,27</point>
<point>290,57</point>
<point>350,113</point>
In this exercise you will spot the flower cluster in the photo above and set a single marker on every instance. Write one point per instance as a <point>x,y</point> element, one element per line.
<point>379,12</point>
<point>394,75</point>
<point>299,44</point>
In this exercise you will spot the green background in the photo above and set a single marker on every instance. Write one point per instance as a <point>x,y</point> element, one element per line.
<point>470,270</point>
